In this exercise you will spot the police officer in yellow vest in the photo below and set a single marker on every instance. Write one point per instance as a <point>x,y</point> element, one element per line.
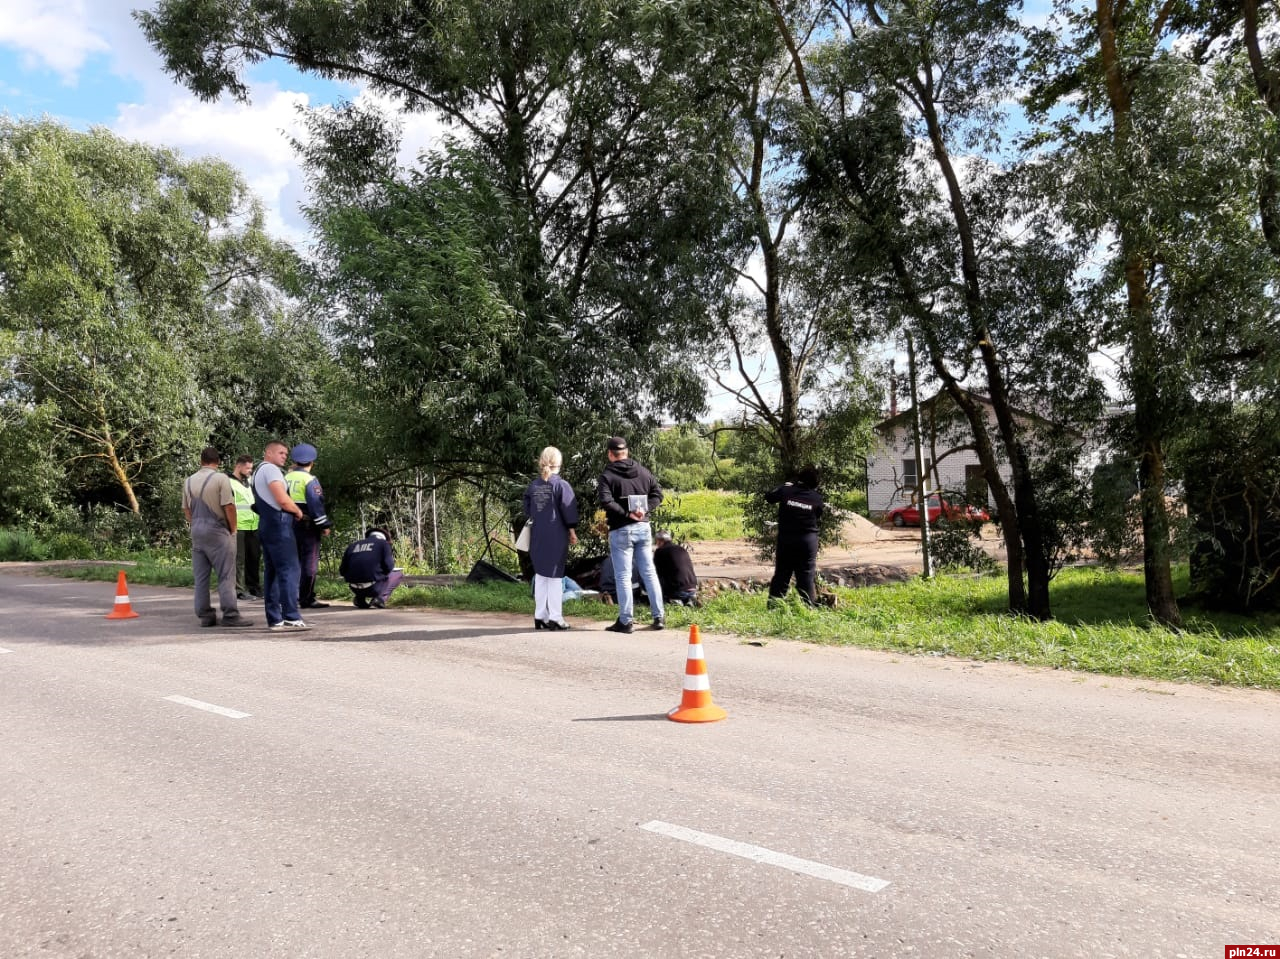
<point>248,549</point>
<point>304,489</point>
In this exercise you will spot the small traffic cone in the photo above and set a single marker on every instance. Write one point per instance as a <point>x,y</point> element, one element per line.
<point>122,608</point>
<point>695,702</point>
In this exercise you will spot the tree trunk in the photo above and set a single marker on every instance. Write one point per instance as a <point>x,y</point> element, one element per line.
<point>1027,525</point>
<point>1148,413</point>
<point>122,477</point>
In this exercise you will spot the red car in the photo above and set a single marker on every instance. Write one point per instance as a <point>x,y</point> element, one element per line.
<point>938,507</point>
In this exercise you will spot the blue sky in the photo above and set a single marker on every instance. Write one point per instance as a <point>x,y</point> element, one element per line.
<point>86,63</point>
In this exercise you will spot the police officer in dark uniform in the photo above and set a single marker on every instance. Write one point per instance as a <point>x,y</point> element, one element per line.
<point>800,508</point>
<point>369,567</point>
<point>304,489</point>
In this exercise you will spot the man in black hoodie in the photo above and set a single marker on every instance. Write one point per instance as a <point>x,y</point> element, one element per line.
<point>628,494</point>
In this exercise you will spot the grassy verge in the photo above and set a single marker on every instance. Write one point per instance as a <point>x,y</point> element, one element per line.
<point>702,515</point>
<point>1101,624</point>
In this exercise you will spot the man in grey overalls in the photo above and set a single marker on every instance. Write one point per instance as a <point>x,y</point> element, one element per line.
<point>210,508</point>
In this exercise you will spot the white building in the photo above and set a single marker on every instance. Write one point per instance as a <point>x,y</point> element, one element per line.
<point>950,459</point>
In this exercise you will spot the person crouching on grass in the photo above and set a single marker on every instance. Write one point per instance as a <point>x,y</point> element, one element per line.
<point>369,567</point>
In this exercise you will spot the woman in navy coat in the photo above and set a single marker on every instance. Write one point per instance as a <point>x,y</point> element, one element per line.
<point>552,506</point>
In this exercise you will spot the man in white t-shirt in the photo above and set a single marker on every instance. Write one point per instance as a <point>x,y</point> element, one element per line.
<point>276,512</point>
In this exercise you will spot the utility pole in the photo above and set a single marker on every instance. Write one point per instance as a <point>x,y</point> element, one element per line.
<point>435,528</point>
<point>922,483</point>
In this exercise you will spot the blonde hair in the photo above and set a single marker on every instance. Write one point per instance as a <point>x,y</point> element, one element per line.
<point>549,462</point>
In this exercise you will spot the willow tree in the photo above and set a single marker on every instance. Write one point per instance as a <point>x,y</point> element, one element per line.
<point>116,259</point>
<point>539,276</point>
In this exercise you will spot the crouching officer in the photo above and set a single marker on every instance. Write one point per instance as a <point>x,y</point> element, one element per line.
<point>369,567</point>
<point>304,489</point>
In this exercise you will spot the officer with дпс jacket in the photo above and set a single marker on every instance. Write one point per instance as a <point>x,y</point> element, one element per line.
<point>304,489</point>
<point>800,508</point>
<point>369,567</point>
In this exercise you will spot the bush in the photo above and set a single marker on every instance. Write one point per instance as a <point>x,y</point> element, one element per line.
<point>21,546</point>
<point>69,546</point>
<point>955,546</point>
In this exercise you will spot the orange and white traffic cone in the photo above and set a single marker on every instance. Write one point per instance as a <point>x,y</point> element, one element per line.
<point>695,702</point>
<point>122,608</point>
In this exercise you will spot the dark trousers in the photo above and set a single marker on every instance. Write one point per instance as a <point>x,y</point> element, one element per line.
<point>381,589</point>
<point>796,556</point>
<point>248,562</point>
<point>308,538</point>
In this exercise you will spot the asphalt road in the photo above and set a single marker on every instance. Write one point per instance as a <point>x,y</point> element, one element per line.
<point>413,784</point>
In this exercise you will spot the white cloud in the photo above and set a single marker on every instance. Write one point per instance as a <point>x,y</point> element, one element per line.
<point>419,132</point>
<point>253,137</point>
<point>56,34</point>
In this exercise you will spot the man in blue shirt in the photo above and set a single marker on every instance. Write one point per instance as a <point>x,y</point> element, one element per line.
<point>277,513</point>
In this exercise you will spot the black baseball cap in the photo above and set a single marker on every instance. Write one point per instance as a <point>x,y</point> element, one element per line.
<point>616,444</point>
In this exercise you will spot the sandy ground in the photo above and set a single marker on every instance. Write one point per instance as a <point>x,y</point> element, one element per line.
<point>863,544</point>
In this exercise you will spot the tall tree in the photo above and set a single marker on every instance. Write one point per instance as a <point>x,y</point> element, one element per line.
<point>115,259</point>
<point>1160,154</point>
<point>907,186</point>
<point>790,341</point>
<point>542,274</point>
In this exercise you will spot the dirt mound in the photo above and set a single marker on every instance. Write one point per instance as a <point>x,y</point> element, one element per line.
<point>859,529</point>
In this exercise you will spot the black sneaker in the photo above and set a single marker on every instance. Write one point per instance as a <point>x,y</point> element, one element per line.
<point>236,621</point>
<point>209,621</point>
<point>658,624</point>
<point>619,627</point>
<point>316,605</point>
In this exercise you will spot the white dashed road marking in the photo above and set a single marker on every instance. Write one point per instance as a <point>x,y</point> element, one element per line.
<point>768,856</point>
<point>208,707</point>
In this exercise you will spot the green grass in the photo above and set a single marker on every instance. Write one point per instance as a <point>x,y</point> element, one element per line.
<point>702,515</point>
<point>1101,625</point>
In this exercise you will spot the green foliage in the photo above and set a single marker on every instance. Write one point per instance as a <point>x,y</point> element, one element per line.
<point>1113,516</point>
<point>955,545</point>
<point>701,515</point>
<point>20,545</point>
<point>541,276</point>
<point>693,457</point>
<point>32,482</point>
<point>122,266</point>
<point>1232,464</point>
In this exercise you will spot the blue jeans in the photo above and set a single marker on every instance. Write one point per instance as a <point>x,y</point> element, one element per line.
<point>634,542</point>
<point>282,569</point>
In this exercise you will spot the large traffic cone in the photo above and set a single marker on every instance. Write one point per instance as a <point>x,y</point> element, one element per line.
<point>695,703</point>
<point>122,608</point>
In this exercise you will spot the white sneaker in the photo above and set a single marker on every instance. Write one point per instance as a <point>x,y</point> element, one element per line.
<point>294,624</point>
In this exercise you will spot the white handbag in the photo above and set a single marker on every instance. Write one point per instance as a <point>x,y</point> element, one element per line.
<point>526,535</point>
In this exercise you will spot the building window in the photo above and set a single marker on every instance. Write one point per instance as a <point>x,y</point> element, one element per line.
<point>910,479</point>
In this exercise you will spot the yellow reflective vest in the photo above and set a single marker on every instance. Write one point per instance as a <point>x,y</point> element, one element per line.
<point>296,482</point>
<point>246,518</point>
